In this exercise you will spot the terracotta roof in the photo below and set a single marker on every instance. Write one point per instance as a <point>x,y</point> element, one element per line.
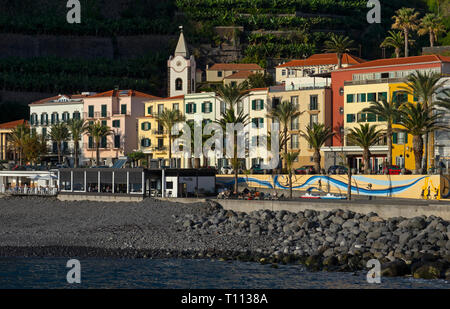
<point>257,89</point>
<point>239,75</point>
<point>400,61</point>
<point>234,66</point>
<point>126,93</point>
<point>323,59</point>
<point>172,98</point>
<point>70,96</point>
<point>12,124</point>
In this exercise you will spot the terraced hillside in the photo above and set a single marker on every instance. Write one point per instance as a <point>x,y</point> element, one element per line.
<point>121,49</point>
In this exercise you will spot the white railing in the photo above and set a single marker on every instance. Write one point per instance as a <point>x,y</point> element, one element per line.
<point>44,191</point>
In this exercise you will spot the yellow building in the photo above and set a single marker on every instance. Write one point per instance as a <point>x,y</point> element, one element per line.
<point>6,150</point>
<point>315,107</point>
<point>152,137</point>
<point>402,151</point>
<point>356,98</point>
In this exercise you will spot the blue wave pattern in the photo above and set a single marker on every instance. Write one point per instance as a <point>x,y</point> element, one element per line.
<point>325,180</point>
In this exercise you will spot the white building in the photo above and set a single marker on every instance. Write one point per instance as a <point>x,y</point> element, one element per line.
<point>181,70</point>
<point>255,105</point>
<point>442,138</point>
<point>204,107</point>
<point>44,113</point>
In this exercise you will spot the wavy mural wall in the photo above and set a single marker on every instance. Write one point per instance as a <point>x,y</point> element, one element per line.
<point>405,186</point>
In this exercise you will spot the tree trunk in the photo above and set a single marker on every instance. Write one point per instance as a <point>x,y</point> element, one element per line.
<point>75,163</point>
<point>406,42</point>
<point>196,162</point>
<point>431,39</point>
<point>285,146</point>
<point>425,154</point>
<point>236,180</point>
<point>349,182</point>
<point>97,153</point>
<point>58,146</point>
<point>366,158</point>
<point>170,150</point>
<point>418,150</point>
<point>316,159</point>
<point>339,55</point>
<point>397,52</point>
<point>290,185</point>
<point>389,142</point>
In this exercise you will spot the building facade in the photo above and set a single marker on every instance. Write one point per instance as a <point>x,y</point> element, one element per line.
<point>219,71</point>
<point>7,151</point>
<point>153,137</point>
<point>119,110</point>
<point>316,64</point>
<point>46,112</point>
<point>355,87</point>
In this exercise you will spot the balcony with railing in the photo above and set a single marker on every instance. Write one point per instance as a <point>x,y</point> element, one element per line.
<point>159,132</point>
<point>159,148</point>
<point>374,81</point>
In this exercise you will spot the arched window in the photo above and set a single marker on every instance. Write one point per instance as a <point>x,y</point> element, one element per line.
<point>178,84</point>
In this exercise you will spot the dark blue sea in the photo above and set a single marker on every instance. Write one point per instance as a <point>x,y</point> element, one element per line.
<point>31,273</point>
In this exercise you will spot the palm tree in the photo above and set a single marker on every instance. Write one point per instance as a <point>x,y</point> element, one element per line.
<point>284,113</point>
<point>59,133</point>
<point>136,156</point>
<point>423,86</point>
<point>77,127</point>
<point>98,131</point>
<point>168,118</point>
<point>231,117</point>
<point>316,135</point>
<point>395,40</point>
<point>338,44</point>
<point>432,25</point>
<point>17,137</point>
<point>34,146</point>
<point>365,137</point>
<point>387,110</point>
<point>418,120</point>
<point>231,94</point>
<point>405,20</point>
<point>443,99</point>
<point>290,158</point>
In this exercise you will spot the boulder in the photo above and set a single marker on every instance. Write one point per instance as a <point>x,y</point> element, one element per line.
<point>394,269</point>
<point>430,270</point>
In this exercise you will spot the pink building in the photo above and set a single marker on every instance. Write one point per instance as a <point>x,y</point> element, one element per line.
<point>119,110</point>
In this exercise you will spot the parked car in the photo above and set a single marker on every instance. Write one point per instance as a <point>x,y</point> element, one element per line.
<point>256,169</point>
<point>392,170</point>
<point>337,169</point>
<point>305,169</point>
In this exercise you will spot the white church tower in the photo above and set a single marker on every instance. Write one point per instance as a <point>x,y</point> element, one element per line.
<point>181,70</point>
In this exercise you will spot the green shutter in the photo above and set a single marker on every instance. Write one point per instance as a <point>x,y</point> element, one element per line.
<point>203,107</point>
<point>103,110</point>
<point>261,104</point>
<point>142,126</point>
<point>91,111</point>
<point>210,107</point>
<point>394,138</point>
<point>195,108</point>
<point>363,97</point>
<point>406,138</point>
<point>371,97</point>
<point>123,109</point>
<point>187,108</point>
<point>261,122</point>
<point>349,98</point>
<point>253,104</point>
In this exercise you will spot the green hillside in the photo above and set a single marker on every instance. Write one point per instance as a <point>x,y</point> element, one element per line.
<point>286,29</point>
